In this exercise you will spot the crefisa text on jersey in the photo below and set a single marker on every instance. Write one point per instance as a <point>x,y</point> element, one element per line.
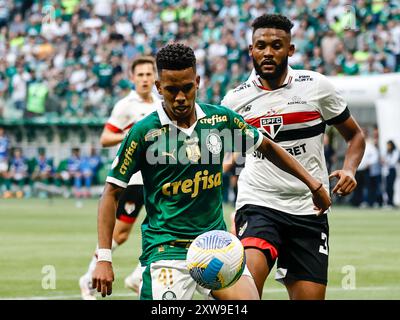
<point>200,309</point>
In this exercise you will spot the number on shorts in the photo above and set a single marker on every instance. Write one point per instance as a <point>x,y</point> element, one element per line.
<point>324,248</point>
<point>165,277</point>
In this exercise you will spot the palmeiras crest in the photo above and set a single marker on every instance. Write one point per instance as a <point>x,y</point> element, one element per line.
<point>272,125</point>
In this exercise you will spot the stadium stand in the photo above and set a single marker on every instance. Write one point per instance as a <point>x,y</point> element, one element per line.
<point>86,76</point>
<point>64,63</point>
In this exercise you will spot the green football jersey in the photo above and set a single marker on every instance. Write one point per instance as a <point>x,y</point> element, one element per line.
<point>182,174</point>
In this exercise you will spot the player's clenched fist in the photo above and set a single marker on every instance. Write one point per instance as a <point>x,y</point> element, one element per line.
<point>103,277</point>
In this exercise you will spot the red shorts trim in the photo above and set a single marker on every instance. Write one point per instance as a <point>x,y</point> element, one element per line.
<point>261,244</point>
<point>127,219</point>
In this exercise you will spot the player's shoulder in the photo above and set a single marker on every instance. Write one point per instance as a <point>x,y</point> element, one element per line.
<point>238,94</point>
<point>146,127</point>
<point>151,121</point>
<point>209,108</point>
<point>309,77</point>
<point>214,109</point>
<point>123,104</point>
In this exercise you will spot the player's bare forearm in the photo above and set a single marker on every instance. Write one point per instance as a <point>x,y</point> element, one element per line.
<point>230,161</point>
<point>109,138</point>
<point>106,214</point>
<point>103,275</point>
<point>354,137</point>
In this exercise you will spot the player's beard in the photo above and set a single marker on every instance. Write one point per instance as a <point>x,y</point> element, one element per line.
<point>279,70</point>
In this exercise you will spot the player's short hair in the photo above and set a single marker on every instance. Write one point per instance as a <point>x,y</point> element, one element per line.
<point>175,56</point>
<point>143,60</point>
<point>275,21</point>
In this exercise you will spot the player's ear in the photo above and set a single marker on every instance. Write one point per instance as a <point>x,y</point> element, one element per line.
<point>292,48</point>
<point>197,82</point>
<point>250,50</point>
<point>158,86</point>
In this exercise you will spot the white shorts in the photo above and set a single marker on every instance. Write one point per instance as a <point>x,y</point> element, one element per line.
<point>171,280</point>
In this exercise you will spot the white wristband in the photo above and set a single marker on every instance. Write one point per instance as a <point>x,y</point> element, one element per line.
<point>104,255</point>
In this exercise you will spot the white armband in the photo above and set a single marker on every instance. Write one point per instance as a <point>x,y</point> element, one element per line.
<point>104,255</point>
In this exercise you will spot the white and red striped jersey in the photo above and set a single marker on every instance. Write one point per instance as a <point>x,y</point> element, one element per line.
<point>126,113</point>
<point>294,116</point>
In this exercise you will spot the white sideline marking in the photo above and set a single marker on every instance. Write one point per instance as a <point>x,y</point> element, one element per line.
<point>78,296</point>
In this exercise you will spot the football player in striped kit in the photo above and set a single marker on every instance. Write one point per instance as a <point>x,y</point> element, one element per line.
<point>275,216</point>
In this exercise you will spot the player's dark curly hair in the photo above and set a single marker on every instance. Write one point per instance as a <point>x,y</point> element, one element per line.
<point>175,56</point>
<point>276,21</point>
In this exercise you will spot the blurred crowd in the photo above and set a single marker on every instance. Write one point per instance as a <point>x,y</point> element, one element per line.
<point>39,176</point>
<point>69,58</point>
<point>376,174</point>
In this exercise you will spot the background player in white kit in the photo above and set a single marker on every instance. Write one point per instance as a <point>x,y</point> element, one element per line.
<point>126,112</point>
<point>275,219</point>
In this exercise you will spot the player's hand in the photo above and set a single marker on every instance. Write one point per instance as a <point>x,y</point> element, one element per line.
<point>322,200</point>
<point>103,277</point>
<point>346,182</point>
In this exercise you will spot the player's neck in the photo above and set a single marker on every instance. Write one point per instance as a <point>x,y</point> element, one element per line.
<point>183,122</point>
<point>274,83</point>
<point>146,97</point>
<point>187,123</point>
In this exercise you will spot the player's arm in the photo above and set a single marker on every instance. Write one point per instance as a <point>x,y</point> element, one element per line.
<point>109,138</point>
<point>354,137</point>
<point>335,112</point>
<point>103,275</point>
<point>229,161</point>
<point>283,160</point>
<point>127,162</point>
<point>114,130</point>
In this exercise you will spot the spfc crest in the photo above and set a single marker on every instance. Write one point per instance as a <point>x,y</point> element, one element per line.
<point>272,125</point>
<point>192,149</point>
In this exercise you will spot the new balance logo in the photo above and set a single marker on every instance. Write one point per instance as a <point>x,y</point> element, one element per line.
<point>248,108</point>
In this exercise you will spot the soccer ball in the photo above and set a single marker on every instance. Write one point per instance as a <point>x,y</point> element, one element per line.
<point>216,259</point>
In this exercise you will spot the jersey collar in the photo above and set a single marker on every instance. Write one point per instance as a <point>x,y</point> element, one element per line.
<point>164,119</point>
<point>255,79</point>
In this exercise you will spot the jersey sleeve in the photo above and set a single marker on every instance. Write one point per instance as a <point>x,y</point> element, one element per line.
<point>118,120</point>
<point>331,104</point>
<point>129,158</point>
<point>235,98</point>
<point>246,138</point>
<point>227,101</point>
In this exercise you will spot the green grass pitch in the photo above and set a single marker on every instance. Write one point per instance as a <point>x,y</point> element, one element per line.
<point>42,238</point>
